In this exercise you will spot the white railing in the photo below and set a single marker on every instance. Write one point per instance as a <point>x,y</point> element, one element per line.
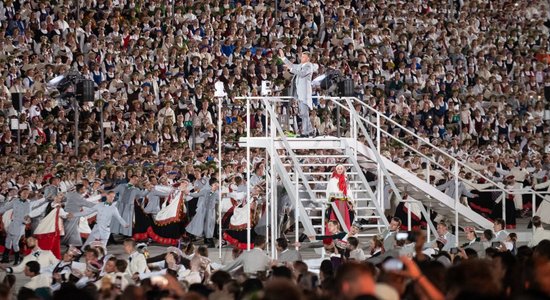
<point>458,164</point>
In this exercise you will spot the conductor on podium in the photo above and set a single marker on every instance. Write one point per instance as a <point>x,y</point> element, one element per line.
<point>303,73</point>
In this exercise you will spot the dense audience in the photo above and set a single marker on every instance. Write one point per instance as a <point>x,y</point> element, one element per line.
<point>406,270</point>
<point>471,77</point>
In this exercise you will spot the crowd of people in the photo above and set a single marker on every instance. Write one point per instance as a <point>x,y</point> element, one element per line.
<point>399,265</point>
<point>469,76</point>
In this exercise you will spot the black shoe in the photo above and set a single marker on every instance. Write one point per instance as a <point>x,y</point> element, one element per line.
<point>5,257</point>
<point>210,243</point>
<point>17,259</point>
<point>303,136</point>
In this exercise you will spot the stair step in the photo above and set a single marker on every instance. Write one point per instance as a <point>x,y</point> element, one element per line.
<point>353,191</point>
<point>373,226</point>
<point>326,173</point>
<point>365,208</point>
<point>318,165</point>
<point>317,156</point>
<point>325,181</point>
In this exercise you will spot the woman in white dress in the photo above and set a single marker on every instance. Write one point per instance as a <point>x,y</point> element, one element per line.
<point>337,193</point>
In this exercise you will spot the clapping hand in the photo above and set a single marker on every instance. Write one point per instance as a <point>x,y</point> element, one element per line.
<point>281,53</point>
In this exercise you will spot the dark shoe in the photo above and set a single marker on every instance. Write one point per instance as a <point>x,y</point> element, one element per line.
<point>363,221</point>
<point>17,259</point>
<point>210,243</point>
<point>5,257</point>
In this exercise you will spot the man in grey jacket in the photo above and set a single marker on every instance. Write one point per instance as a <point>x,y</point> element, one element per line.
<point>253,261</point>
<point>74,203</point>
<point>474,242</point>
<point>303,73</point>
<point>21,216</point>
<point>204,221</point>
<point>388,235</point>
<point>285,254</point>
<point>106,212</point>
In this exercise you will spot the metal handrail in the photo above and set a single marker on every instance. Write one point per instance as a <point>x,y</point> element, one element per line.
<point>422,140</point>
<point>379,158</point>
<point>368,189</point>
<point>294,159</point>
<point>401,127</point>
<point>371,144</point>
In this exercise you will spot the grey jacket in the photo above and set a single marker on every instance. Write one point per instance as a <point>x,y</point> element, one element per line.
<point>252,262</point>
<point>75,202</point>
<point>289,255</point>
<point>303,74</point>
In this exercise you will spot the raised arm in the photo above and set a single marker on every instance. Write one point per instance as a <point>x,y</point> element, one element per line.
<point>94,199</point>
<point>542,185</point>
<point>233,265</point>
<point>39,202</point>
<point>84,203</point>
<point>291,67</point>
<point>38,210</point>
<point>119,188</point>
<point>87,211</point>
<point>443,187</point>
<point>201,193</point>
<point>142,193</point>
<point>337,236</point>
<point>466,192</point>
<point>6,207</point>
<point>162,190</point>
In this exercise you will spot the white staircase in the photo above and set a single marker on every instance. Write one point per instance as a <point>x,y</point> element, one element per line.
<point>317,170</point>
<point>304,175</point>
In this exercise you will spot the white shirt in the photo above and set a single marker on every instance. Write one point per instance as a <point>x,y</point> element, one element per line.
<point>39,281</point>
<point>136,264</point>
<point>357,254</point>
<point>500,236</point>
<point>539,235</point>
<point>44,257</point>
